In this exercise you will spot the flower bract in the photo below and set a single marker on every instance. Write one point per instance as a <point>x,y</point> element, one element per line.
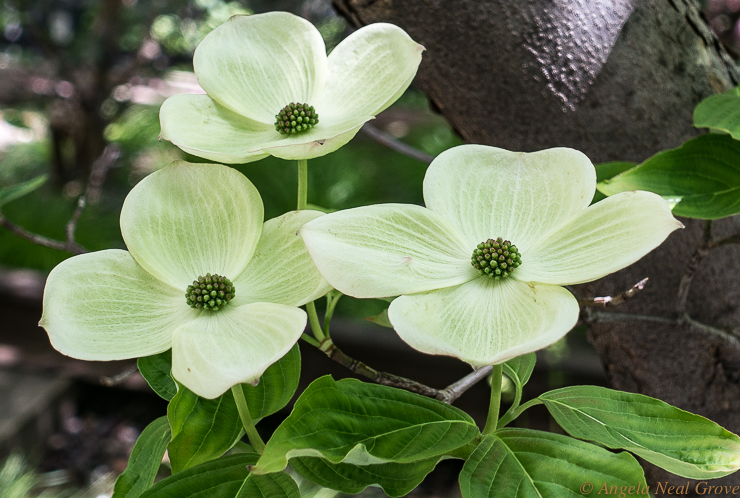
<point>257,68</point>
<point>478,197</point>
<point>189,224</point>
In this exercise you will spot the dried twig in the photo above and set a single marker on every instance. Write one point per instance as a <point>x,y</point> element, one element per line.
<point>701,252</point>
<point>120,378</point>
<point>94,183</point>
<point>609,301</point>
<point>393,144</point>
<point>593,316</point>
<point>447,395</point>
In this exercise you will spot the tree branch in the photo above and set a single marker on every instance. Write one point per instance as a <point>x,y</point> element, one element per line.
<point>396,145</point>
<point>609,301</point>
<point>447,395</point>
<point>92,191</point>
<point>701,252</point>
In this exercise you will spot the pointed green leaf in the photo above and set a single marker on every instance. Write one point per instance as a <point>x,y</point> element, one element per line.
<point>533,464</point>
<point>396,479</point>
<point>680,442</point>
<point>277,485</point>
<point>144,461</point>
<point>606,171</point>
<point>702,177</point>
<point>202,429</point>
<point>380,319</point>
<point>276,386</point>
<point>364,424</point>
<point>720,112</point>
<point>520,369</point>
<point>13,192</point>
<point>222,478</point>
<point>156,371</point>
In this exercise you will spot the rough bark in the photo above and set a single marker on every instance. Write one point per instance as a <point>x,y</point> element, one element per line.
<point>619,81</point>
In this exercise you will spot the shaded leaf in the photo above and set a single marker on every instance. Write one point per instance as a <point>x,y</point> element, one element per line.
<point>13,192</point>
<point>380,319</point>
<point>606,171</point>
<point>276,386</point>
<point>720,112</point>
<point>533,464</point>
<point>277,485</point>
<point>144,461</point>
<point>701,178</point>
<point>156,371</point>
<point>222,478</point>
<point>396,479</point>
<point>363,424</point>
<point>202,429</point>
<point>680,442</point>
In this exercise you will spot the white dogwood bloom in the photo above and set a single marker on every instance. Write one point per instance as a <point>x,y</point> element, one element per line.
<point>252,67</point>
<point>189,225</point>
<point>538,201</point>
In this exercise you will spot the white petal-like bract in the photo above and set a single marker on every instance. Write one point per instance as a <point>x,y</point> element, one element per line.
<point>104,306</point>
<point>187,220</point>
<point>234,345</point>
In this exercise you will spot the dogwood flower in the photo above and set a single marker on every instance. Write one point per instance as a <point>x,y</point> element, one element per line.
<point>202,276</point>
<point>479,270</point>
<point>272,90</point>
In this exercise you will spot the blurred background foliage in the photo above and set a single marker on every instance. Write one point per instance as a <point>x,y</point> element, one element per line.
<point>77,76</point>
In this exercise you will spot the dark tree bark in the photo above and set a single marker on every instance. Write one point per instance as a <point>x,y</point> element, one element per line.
<point>618,80</point>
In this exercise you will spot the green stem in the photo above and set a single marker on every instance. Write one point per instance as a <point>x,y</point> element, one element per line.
<point>331,302</point>
<point>241,406</point>
<point>313,319</point>
<point>494,407</point>
<point>302,183</point>
<point>313,342</point>
<point>513,414</point>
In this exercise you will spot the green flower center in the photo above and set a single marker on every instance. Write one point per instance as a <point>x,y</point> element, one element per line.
<point>296,118</point>
<point>211,292</point>
<point>496,258</point>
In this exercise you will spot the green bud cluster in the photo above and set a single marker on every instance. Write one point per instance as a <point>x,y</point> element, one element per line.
<point>496,258</point>
<point>210,292</point>
<point>295,118</point>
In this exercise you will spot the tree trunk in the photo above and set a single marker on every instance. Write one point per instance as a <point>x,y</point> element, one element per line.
<point>618,80</point>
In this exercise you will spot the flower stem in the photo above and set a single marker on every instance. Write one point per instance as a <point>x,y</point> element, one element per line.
<point>493,408</point>
<point>313,319</point>
<point>302,183</point>
<point>241,406</point>
<point>331,302</point>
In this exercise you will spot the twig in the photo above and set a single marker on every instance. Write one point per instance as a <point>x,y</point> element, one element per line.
<point>383,378</point>
<point>118,379</point>
<point>455,390</point>
<point>684,321</point>
<point>396,145</point>
<point>37,239</point>
<point>92,191</point>
<point>446,395</point>
<point>701,252</point>
<point>609,301</point>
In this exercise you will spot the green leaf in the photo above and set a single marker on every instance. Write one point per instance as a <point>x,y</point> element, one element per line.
<point>222,478</point>
<point>363,424</point>
<point>702,177</point>
<point>277,485</point>
<point>380,319</point>
<point>520,369</point>
<point>156,371</point>
<point>202,429</point>
<point>144,461</point>
<point>396,479</point>
<point>533,464</point>
<point>606,171</point>
<point>680,442</point>
<point>276,386</point>
<point>720,112</point>
<point>11,193</point>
